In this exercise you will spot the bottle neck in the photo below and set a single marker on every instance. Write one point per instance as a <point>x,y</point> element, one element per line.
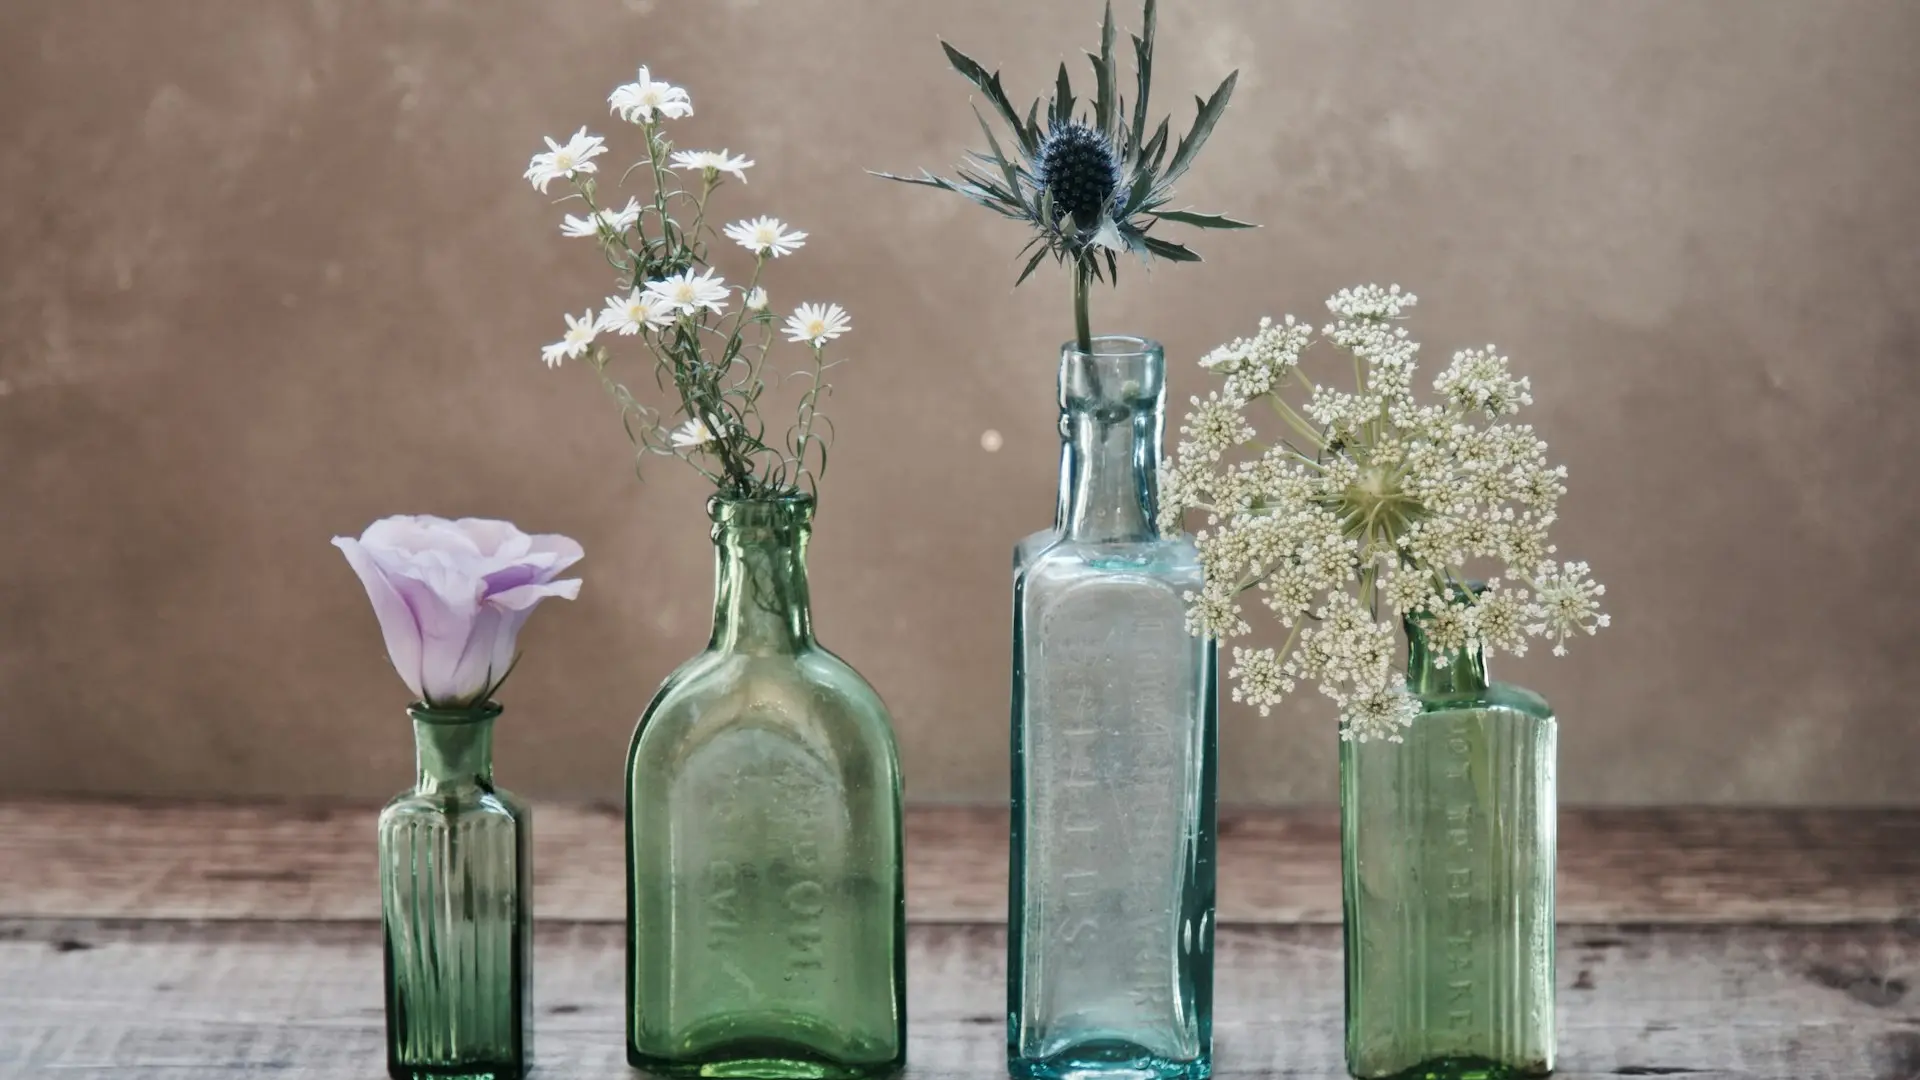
<point>453,748</point>
<point>761,602</point>
<point>1464,672</point>
<point>1112,410</point>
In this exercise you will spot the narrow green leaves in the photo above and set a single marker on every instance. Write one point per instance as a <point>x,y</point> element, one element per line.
<point>1032,264</point>
<point>1143,65</point>
<point>1202,221</point>
<point>1106,71</point>
<point>1209,114</point>
<point>989,84</point>
<point>1169,250</point>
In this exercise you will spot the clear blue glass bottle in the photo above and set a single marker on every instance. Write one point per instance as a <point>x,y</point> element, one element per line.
<point>1111,901</point>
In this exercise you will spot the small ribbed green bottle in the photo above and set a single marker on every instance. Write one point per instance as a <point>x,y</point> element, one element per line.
<point>456,892</point>
<point>1447,845</point>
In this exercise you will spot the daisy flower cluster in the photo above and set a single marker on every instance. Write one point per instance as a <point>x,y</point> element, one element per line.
<point>1342,511</point>
<point>709,339</point>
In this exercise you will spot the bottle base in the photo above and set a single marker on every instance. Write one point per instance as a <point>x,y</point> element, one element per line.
<point>750,1063</point>
<point>1460,1068</point>
<point>1107,1059</point>
<point>465,1071</point>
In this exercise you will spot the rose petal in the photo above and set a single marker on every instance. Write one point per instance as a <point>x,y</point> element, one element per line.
<point>397,624</point>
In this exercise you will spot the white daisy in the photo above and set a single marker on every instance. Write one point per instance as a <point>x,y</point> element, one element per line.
<point>757,299</point>
<point>764,234</point>
<point>613,221</point>
<point>693,433</point>
<point>575,157</point>
<point>639,101</point>
<point>817,324</point>
<point>685,294</point>
<point>630,314</point>
<point>579,335</point>
<point>713,161</point>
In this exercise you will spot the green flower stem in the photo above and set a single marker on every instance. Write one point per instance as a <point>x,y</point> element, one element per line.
<point>1296,421</point>
<point>1082,326</point>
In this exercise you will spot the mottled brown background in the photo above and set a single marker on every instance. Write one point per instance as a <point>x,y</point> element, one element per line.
<point>268,271</point>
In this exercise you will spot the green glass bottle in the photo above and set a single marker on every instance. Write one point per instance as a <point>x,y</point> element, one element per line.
<point>1447,845</point>
<point>766,922</point>
<point>456,892</point>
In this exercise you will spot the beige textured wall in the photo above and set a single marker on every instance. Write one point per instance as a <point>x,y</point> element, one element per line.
<point>268,271</point>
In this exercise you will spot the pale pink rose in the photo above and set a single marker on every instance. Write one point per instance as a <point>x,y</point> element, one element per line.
<point>451,597</point>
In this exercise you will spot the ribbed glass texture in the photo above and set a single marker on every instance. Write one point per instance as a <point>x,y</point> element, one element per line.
<point>1110,935</point>
<point>456,904</point>
<point>766,924</point>
<point>1448,858</point>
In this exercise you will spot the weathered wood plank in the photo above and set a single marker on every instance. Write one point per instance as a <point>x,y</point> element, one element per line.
<point>118,860</point>
<point>301,1001</point>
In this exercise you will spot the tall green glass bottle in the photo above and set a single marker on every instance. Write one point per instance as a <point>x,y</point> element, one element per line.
<point>456,890</point>
<point>1447,844</point>
<point>766,914</point>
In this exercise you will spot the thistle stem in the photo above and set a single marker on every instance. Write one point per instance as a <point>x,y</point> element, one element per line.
<point>1082,326</point>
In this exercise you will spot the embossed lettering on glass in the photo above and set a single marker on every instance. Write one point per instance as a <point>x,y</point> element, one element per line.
<point>1448,859</point>
<point>766,921</point>
<point>456,891</point>
<point>1110,927</point>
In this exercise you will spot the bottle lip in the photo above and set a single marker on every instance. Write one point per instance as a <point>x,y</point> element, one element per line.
<point>424,713</point>
<point>1114,347</point>
<point>755,511</point>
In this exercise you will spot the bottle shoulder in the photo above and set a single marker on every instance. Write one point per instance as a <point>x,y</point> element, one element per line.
<point>1499,695</point>
<point>813,692</point>
<point>1173,561</point>
<point>443,805</point>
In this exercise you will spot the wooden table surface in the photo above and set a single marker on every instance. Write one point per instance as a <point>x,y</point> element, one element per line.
<point>186,942</point>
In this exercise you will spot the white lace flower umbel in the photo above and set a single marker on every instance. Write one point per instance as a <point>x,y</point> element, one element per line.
<point>1343,511</point>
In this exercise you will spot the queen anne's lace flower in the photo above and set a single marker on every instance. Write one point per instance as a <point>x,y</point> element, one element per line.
<point>1364,506</point>
<point>1214,427</point>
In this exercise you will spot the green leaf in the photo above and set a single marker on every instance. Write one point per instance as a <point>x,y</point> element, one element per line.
<point>988,84</point>
<point>1169,250</point>
<point>1156,149</point>
<point>1143,61</point>
<point>1143,183</point>
<point>1032,264</point>
<point>1209,115</point>
<point>999,158</point>
<point>1203,221</point>
<point>1104,68</point>
<point>1032,141</point>
<point>1062,109</point>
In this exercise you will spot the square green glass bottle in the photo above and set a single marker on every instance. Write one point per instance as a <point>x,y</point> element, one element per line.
<point>456,891</point>
<point>1447,844</point>
<point>766,928</point>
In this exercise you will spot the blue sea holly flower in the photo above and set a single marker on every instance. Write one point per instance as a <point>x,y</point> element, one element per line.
<point>1090,177</point>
